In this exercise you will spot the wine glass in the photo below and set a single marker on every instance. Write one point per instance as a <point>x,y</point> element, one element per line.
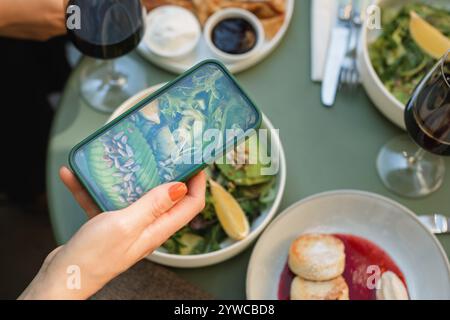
<point>108,29</point>
<point>413,171</point>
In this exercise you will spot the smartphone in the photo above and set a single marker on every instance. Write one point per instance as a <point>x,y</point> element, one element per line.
<point>162,138</point>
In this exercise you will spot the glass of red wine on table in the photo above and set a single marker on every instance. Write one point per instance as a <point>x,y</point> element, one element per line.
<point>108,29</point>
<point>415,167</point>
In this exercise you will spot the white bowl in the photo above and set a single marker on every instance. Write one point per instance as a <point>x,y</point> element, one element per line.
<point>380,95</point>
<point>183,51</point>
<point>233,13</point>
<point>385,222</point>
<point>229,248</point>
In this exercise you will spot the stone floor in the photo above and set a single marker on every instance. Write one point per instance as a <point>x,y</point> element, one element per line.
<point>25,240</point>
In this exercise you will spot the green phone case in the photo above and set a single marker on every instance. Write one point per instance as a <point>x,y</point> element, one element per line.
<point>125,158</point>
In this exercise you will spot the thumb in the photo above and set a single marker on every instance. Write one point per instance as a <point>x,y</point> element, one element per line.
<point>155,203</point>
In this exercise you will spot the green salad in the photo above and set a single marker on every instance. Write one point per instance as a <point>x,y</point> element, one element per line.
<point>254,192</point>
<point>397,59</point>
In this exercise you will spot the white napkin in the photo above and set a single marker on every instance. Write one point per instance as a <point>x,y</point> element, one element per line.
<point>323,17</point>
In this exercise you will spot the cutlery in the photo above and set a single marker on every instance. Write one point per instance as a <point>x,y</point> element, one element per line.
<point>349,77</point>
<point>349,74</point>
<point>436,223</point>
<point>340,35</point>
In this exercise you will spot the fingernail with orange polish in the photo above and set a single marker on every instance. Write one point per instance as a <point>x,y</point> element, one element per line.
<point>177,191</point>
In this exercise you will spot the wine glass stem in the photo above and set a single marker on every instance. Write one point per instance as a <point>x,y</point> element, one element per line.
<point>415,158</point>
<point>116,78</point>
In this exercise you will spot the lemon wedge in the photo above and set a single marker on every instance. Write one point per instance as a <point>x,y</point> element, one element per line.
<point>427,37</point>
<point>229,212</point>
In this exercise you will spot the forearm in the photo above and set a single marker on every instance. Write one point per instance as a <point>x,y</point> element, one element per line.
<point>32,19</point>
<point>50,287</point>
<point>9,12</point>
<point>59,280</point>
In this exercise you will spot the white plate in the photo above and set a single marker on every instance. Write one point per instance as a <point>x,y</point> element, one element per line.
<point>383,221</point>
<point>381,97</point>
<point>229,248</point>
<point>202,52</point>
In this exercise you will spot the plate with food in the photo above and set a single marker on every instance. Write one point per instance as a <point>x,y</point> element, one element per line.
<point>393,60</point>
<point>347,245</point>
<point>240,203</point>
<point>240,33</point>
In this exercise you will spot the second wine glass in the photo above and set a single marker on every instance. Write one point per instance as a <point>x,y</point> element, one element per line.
<point>414,171</point>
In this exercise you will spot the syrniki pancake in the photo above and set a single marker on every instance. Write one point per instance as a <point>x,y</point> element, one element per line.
<point>317,257</point>
<point>335,289</point>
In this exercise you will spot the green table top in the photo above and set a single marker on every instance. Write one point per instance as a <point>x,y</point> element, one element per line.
<point>326,149</point>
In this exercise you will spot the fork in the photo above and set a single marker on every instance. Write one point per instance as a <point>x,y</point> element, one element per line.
<point>349,73</point>
<point>436,223</point>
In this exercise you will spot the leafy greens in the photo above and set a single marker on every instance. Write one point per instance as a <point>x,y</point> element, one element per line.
<point>397,59</point>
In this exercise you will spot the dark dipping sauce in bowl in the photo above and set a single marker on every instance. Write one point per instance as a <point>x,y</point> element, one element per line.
<point>234,36</point>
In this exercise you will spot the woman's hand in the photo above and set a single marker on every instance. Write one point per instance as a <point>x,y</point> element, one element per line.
<point>110,243</point>
<point>32,19</point>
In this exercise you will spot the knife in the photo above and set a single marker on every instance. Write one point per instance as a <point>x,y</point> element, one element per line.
<point>340,35</point>
<point>436,223</point>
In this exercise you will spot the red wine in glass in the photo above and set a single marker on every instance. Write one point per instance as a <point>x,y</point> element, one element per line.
<point>109,28</point>
<point>427,115</point>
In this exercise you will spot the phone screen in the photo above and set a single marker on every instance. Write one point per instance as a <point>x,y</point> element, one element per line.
<point>165,138</point>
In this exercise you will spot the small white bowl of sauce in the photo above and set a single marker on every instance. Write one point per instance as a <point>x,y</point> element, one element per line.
<point>234,34</point>
<point>172,31</point>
